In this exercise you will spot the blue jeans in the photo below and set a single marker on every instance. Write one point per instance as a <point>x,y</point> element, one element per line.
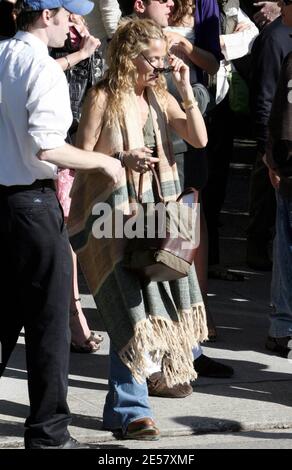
<point>281,318</point>
<point>127,400</point>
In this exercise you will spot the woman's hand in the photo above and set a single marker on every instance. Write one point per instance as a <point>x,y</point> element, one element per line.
<point>181,74</point>
<point>139,159</point>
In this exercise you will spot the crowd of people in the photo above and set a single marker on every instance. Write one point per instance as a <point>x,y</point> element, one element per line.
<point>95,95</point>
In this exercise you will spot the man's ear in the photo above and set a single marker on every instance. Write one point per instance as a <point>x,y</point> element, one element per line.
<point>139,6</point>
<point>46,16</point>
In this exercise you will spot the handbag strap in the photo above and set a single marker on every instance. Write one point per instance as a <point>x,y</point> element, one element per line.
<point>159,192</point>
<point>189,190</point>
<point>157,182</point>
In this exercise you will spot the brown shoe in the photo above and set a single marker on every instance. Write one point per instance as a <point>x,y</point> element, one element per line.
<point>157,387</point>
<point>143,429</point>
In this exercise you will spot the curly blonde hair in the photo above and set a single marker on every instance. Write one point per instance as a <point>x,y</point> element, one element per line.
<point>132,37</point>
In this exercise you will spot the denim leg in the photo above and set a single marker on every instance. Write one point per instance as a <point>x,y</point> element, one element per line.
<point>127,400</point>
<point>281,318</point>
<point>197,351</point>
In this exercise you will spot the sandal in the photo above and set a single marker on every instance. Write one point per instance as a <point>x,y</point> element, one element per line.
<point>142,430</point>
<point>224,274</point>
<point>90,345</point>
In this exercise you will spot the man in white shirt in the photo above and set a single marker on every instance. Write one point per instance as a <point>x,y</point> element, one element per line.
<point>36,260</point>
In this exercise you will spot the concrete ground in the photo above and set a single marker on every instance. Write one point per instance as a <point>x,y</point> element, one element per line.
<point>255,403</point>
<point>250,410</point>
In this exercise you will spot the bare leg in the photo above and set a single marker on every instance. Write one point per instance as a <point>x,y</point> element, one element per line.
<point>82,338</point>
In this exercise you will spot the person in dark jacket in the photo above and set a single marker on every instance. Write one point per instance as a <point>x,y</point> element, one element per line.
<point>279,161</point>
<point>237,35</point>
<point>268,53</point>
<point>7,23</point>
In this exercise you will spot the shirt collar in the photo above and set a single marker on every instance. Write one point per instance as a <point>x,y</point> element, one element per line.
<point>32,41</point>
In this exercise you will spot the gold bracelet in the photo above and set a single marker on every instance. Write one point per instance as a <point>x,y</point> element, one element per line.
<point>68,63</point>
<point>189,104</point>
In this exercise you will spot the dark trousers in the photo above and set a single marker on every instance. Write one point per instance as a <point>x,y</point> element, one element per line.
<point>219,153</point>
<point>192,168</point>
<point>262,204</point>
<point>36,266</point>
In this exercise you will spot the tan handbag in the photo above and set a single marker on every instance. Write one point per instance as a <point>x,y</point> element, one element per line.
<point>167,249</point>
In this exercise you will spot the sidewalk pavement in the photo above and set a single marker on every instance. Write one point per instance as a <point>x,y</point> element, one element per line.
<point>257,399</point>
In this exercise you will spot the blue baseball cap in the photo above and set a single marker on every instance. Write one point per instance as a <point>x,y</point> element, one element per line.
<point>79,7</point>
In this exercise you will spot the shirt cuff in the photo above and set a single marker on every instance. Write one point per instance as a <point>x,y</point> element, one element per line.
<point>48,142</point>
<point>236,45</point>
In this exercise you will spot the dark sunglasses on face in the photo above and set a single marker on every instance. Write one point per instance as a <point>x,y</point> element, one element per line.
<point>162,1</point>
<point>158,69</point>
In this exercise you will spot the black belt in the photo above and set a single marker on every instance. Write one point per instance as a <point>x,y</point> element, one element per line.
<point>37,184</point>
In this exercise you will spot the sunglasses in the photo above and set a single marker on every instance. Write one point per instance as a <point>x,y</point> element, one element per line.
<point>158,69</point>
<point>162,1</point>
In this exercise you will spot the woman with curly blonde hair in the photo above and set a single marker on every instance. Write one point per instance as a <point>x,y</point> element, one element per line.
<point>127,116</point>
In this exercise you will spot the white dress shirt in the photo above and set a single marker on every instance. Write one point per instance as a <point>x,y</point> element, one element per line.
<point>239,44</point>
<point>35,111</point>
<point>236,45</point>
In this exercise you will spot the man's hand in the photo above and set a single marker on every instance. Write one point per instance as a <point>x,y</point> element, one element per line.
<point>112,168</point>
<point>274,178</point>
<point>176,42</point>
<point>242,26</point>
<point>268,12</point>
